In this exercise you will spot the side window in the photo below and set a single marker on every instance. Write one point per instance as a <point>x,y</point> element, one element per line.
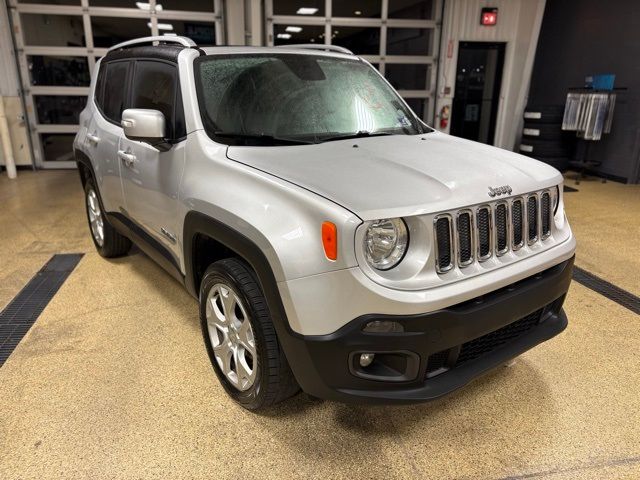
<point>98,93</point>
<point>155,86</point>
<point>115,90</point>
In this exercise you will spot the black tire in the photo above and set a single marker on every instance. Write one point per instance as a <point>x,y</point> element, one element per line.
<point>544,114</point>
<point>543,148</point>
<point>114,244</point>
<point>544,131</point>
<point>274,380</point>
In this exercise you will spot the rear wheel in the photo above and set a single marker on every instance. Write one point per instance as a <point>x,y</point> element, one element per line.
<point>107,240</point>
<point>240,337</point>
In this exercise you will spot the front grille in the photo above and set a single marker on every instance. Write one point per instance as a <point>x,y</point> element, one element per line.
<point>532,218</point>
<point>478,347</point>
<point>545,214</point>
<point>444,247</point>
<point>475,234</point>
<point>484,233</point>
<point>491,341</point>
<point>502,233</point>
<point>516,217</point>
<point>437,361</point>
<point>465,242</point>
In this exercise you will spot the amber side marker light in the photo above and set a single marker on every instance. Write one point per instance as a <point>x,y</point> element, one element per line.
<point>330,240</point>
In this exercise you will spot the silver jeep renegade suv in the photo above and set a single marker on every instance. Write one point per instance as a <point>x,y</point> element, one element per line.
<point>336,243</point>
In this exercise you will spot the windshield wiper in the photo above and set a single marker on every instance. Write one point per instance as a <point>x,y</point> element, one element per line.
<point>360,134</point>
<point>259,138</point>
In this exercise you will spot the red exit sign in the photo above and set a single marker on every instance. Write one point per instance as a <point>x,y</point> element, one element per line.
<point>489,16</point>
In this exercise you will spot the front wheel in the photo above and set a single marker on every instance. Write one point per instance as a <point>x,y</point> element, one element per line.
<point>240,337</point>
<point>107,240</point>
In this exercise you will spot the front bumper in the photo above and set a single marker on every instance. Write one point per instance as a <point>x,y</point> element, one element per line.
<point>438,352</point>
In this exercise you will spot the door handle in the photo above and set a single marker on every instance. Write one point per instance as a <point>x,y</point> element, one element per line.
<point>126,157</point>
<point>93,138</point>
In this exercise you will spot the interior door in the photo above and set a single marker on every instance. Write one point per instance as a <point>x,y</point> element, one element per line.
<point>477,92</point>
<point>150,178</point>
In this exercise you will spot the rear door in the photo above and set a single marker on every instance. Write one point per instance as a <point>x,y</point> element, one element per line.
<point>151,181</point>
<point>103,132</point>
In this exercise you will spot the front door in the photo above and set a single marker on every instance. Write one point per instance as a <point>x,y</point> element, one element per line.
<point>150,178</point>
<point>477,91</point>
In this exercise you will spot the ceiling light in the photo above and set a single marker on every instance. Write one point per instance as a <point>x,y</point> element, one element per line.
<point>147,6</point>
<point>284,36</point>
<point>162,26</point>
<point>293,29</point>
<point>306,11</point>
<point>357,12</point>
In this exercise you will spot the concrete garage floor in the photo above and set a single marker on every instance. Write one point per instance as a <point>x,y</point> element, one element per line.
<point>113,380</point>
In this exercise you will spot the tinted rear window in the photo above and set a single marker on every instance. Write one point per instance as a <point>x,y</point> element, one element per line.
<point>115,90</point>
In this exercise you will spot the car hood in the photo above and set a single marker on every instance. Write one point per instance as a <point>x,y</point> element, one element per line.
<point>400,175</point>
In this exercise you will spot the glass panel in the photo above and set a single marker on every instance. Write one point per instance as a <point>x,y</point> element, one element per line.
<point>409,41</point>
<point>418,105</point>
<point>203,33</point>
<point>59,109</point>
<point>275,98</point>
<point>154,87</point>
<point>53,30</point>
<point>57,147</point>
<point>107,31</point>
<point>189,5</point>
<point>308,34</point>
<point>59,71</point>
<point>413,9</point>
<point>360,40</point>
<point>407,77</point>
<point>52,2</point>
<point>291,7</point>
<point>356,8</point>
<point>114,90</point>
<point>116,3</point>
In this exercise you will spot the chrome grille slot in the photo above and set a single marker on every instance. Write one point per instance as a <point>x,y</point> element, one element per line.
<point>483,219</point>
<point>545,215</point>
<point>532,219</point>
<point>502,229</point>
<point>517,223</point>
<point>465,238</point>
<point>444,243</point>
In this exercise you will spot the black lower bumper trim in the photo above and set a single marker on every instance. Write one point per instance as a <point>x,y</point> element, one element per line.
<point>469,339</point>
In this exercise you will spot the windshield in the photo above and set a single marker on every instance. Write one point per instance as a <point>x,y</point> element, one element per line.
<point>280,99</point>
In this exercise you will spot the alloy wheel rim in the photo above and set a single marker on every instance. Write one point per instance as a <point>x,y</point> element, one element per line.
<point>231,336</point>
<point>95,217</point>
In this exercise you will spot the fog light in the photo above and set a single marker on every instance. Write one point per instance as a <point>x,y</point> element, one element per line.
<point>366,359</point>
<point>383,326</point>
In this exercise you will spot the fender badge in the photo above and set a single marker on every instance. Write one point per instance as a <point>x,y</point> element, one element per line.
<point>503,190</point>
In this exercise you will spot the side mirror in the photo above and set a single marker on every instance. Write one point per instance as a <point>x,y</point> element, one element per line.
<point>144,125</point>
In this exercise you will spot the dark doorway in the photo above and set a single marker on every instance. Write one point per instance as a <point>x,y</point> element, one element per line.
<point>477,94</point>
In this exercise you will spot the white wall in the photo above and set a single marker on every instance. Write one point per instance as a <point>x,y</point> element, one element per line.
<point>518,25</point>
<point>9,89</point>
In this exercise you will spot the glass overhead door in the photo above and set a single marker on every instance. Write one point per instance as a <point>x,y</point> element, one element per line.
<point>59,41</point>
<point>399,37</point>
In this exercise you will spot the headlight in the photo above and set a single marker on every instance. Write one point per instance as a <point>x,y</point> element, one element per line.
<point>385,242</point>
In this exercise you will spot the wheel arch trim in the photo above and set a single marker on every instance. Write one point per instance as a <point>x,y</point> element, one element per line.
<point>198,223</point>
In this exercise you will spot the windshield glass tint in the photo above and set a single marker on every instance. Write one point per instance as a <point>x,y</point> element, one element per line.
<point>307,98</point>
